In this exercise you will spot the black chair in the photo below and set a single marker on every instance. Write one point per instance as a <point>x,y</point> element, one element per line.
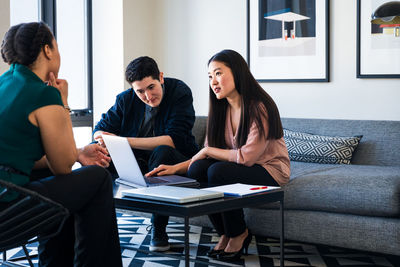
<point>28,219</point>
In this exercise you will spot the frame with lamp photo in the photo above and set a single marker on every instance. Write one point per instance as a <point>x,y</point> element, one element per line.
<point>378,39</point>
<point>288,41</point>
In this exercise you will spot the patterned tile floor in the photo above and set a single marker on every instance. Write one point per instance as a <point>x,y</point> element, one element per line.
<point>262,251</point>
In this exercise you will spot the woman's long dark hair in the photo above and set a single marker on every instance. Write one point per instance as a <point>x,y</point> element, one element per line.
<point>251,96</point>
<point>23,42</point>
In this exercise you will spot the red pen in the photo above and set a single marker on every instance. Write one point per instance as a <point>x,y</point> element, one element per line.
<point>260,187</point>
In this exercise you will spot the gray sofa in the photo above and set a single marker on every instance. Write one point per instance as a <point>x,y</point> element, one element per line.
<point>353,206</point>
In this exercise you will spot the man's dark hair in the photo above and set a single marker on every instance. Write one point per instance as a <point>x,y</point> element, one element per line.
<point>141,68</point>
<point>23,42</point>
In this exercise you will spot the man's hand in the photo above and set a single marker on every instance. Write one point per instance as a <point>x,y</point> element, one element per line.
<point>99,139</point>
<point>94,154</point>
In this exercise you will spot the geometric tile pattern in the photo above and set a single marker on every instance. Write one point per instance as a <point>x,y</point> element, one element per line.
<point>263,251</point>
<point>320,149</point>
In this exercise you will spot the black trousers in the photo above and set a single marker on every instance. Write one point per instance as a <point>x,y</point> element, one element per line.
<point>214,173</point>
<point>149,160</point>
<point>89,237</point>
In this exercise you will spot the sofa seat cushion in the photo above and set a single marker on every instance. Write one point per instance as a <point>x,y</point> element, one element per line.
<point>352,189</point>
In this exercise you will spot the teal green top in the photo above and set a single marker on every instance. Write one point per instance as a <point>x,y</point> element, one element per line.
<point>22,92</point>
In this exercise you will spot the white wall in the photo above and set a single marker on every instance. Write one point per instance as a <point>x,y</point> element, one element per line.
<point>4,25</point>
<point>140,29</point>
<point>183,34</point>
<point>191,32</point>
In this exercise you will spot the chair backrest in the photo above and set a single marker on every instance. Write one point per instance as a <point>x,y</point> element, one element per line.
<point>31,217</point>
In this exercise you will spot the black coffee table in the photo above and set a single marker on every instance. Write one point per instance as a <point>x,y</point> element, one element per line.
<point>199,208</point>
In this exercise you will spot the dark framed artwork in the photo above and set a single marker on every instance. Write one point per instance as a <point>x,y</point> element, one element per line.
<point>378,46</point>
<point>288,41</point>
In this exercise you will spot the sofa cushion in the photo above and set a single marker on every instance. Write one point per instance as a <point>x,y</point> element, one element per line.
<point>352,189</point>
<point>308,147</point>
<point>199,130</point>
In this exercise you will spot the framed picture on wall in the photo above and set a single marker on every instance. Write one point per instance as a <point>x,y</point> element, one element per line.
<point>288,41</point>
<point>378,45</point>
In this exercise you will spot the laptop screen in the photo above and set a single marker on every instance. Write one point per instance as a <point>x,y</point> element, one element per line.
<point>124,160</point>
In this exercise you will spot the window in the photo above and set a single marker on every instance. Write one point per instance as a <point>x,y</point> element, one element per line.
<point>23,11</point>
<point>71,25</point>
<point>71,28</point>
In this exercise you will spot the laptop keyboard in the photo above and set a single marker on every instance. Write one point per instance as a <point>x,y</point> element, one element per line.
<point>155,180</point>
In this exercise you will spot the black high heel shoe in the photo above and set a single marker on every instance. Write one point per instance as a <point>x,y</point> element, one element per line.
<point>234,256</point>
<point>213,253</point>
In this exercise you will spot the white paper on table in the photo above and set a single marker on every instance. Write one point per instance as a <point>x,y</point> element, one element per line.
<point>240,189</point>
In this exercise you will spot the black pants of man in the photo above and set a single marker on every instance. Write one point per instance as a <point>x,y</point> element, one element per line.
<point>163,155</point>
<point>89,236</point>
<point>214,173</point>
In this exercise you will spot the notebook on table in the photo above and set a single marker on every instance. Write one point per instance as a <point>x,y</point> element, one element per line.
<point>240,189</point>
<point>173,194</point>
<point>128,169</point>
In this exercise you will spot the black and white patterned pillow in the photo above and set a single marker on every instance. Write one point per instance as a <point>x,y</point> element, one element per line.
<point>319,148</point>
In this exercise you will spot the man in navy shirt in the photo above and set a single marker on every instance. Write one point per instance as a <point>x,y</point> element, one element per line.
<point>157,116</point>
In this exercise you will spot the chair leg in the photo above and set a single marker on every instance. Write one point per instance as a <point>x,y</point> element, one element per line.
<point>27,256</point>
<point>4,262</point>
<point>12,264</point>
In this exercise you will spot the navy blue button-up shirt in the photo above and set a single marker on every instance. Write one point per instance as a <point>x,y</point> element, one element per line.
<point>174,118</point>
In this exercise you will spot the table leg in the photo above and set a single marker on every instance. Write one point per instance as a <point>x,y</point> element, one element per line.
<point>187,241</point>
<point>282,237</point>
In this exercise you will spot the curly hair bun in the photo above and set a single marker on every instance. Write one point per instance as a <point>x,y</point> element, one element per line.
<point>23,42</point>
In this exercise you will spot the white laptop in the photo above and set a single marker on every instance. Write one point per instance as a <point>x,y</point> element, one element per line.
<point>128,169</point>
<point>173,194</point>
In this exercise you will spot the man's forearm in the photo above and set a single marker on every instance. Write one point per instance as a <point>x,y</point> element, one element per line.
<point>97,133</point>
<point>149,143</point>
